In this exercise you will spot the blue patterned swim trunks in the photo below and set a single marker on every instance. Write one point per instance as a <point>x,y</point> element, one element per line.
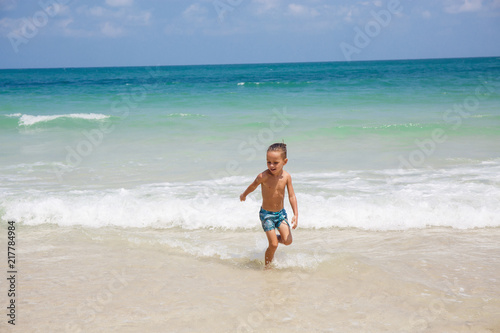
<point>272,220</point>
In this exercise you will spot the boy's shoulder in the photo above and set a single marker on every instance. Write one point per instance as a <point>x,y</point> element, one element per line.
<point>264,174</point>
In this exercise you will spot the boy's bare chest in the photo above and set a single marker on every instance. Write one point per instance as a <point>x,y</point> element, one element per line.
<point>276,184</point>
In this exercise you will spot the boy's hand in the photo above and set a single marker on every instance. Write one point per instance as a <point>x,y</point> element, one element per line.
<point>242,197</point>
<point>295,222</point>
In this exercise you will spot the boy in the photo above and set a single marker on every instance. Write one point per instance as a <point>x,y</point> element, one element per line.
<point>273,182</point>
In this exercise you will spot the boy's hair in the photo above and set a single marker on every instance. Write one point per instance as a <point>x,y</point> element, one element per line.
<point>281,147</point>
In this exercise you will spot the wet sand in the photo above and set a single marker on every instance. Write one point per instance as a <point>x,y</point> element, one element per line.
<point>98,280</point>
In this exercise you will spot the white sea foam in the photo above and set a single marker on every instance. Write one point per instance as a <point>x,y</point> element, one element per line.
<point>461,198</point>
<point>28,120</point>
<point>185,115</point>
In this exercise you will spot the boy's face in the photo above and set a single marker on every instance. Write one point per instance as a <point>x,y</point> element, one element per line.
<point>275,162</point>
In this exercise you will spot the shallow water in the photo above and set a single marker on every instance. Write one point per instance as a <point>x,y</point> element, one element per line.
<point>101,280</point>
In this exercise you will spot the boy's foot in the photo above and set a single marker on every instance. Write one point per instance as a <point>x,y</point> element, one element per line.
<point>268,266</point>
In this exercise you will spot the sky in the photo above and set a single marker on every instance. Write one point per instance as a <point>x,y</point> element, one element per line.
<point>97,33</point>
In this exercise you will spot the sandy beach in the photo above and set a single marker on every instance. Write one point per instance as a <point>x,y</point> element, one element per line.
<point>112,280</point>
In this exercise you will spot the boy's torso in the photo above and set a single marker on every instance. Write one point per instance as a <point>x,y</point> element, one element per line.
<point>273,191</point>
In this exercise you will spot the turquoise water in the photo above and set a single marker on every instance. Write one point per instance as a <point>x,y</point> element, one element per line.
<point>149,146</point>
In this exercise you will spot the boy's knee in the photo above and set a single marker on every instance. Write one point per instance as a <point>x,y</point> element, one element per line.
<point>288,241</point>
<point>273,245</point>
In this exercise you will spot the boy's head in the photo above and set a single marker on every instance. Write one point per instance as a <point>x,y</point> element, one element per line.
<point>279,147</point>
<point>276,157</point>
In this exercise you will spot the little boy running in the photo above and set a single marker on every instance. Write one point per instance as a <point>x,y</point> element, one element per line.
<point>273,182</point>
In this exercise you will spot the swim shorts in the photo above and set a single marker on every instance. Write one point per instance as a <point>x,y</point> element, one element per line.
<point>272,220</point>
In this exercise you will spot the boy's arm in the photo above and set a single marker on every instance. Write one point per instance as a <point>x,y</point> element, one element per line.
<point>252,187</point>
<point>293,202</point>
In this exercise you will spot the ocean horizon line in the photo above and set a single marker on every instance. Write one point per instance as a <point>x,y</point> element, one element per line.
<point>254,63</point>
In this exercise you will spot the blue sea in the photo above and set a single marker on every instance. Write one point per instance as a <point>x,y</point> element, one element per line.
<point>395,164</point>
<point>372,145</point>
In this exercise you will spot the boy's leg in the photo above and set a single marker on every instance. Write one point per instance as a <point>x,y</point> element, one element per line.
<point>273,245</point>
<point>285,234</point>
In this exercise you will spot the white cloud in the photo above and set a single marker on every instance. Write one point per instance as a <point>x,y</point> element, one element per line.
<point>462,6</point>
<point>119,3</point>
<point>8,25</point>
<point>8,4</point>
<point>346,12</point>
<point>105,21</point>
<point>264,6</point>
<point>195,18</point>
<point>66,30</point>
<point>297,9</point>
<point>196,14</point>
<point>300,10</point>
<point>141,18</point>
<point>426,14</point>
<point>97,11</point>
<point>126,16</point>
<point>194,10</point>
<point>109,30</point>
<point>108,19</point>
